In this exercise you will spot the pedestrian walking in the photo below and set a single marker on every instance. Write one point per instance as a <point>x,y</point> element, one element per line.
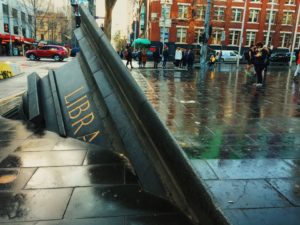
<point>297,63</point>
<point>259,62</point>
<point>144,57</point>
<point>249,57</point>
<point>156,58</point>
<point>165,56</point>
<point>139,56</point>
<point>190,58</point>
<point>128,56</point>
<point>178,56</point>
<point>183,61</point>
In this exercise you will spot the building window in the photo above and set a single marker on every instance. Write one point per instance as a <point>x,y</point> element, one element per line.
<point>275,1</point>
<point>285,40</point>
<point>250,38</point>
<point>255,0</point>
<point>270,38</point>
<point>200,12</point>
<point>287,18</point>
<point>253,17</point>
<point>272,17</point>
<point>5,9</point>
<point>164,34</point>
<point>165,11</point>
<point>181,35</point>
<point>289,2</point>
<point>216,37</point>
<point>198,33</point>
<point>29,19</point>
<point>182,11</point>
<point>23,17</point>
<point>24,32</point>
<point>42,37</point>
<point>219,13</point>
<point>234,37</point>
<point>236,15</point>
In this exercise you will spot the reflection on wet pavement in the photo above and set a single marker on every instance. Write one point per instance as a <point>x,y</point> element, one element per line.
<point>50,180</point>
<point>222,115</point>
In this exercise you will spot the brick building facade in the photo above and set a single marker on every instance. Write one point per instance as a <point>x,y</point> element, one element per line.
<point>183,22</point>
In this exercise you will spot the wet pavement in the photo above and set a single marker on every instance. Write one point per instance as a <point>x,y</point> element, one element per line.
<point>243,142</point>
<point>47,179</point>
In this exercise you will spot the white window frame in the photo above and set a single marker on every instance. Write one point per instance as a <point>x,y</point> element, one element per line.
<point>252,35</point>
<point>285,17</point>
<point>273,16</point>
<point>183,29</point>
<point>220,13</point>
<point>234,13</point>
<point>297,43</point>
<point>184,10</point>
<point>289,2</point>
<point>254,15</point>
<point>198,32</point>
<point>216,36</point>
<point>236,37</point>
<point>283,40</point>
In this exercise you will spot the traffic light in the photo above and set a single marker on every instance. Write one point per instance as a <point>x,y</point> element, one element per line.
<point>6,28</point>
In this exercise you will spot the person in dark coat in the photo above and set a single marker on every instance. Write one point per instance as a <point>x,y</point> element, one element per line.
<point>128,55</point>
<point>259,62</point>
<point>190,58</point>
<point>165,56</point>
<point>156,58</point>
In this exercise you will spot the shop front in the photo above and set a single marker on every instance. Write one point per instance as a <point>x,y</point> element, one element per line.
<point>19,45</point>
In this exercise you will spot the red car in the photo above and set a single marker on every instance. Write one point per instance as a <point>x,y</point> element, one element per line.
<point>56,52</point>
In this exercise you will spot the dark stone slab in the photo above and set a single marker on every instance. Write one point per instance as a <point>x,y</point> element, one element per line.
<point>94,221</point>
<point>245,194</point>
<point>267,216</point>
<point>115,201</point>
<point>203,170</point>
<point>251,169</point>
<point>289,188</point>
<point>33,205</point>
<point>44,158</point>
<point>168,219</point>
<point>13,179</point>
<point>101,156</point>
<point>76,176</point>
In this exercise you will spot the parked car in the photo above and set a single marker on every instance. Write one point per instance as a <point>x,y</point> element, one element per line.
<point>74,51</point>
<point>229,55</point>
<point>56,52</point>
<point>282,57</point>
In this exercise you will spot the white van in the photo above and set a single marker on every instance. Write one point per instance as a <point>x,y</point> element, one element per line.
<point>228,55</point>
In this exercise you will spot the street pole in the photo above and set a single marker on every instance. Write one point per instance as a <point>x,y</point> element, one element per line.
<point>241,35</point>
<point>269,25</point>
<point>135,23</point>
<point>9,31</point>
<point>295,35</point>
<point>164,26</point>
<point>204,45</point>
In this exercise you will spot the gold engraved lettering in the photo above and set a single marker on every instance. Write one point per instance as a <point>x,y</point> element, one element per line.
<point>78,100</point>
<point>83,121</point>
<point>72,93</point>
<point>76,112</point>
<point>90,137</point>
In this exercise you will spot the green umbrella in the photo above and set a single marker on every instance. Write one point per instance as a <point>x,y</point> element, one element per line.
<point>141,41</point>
